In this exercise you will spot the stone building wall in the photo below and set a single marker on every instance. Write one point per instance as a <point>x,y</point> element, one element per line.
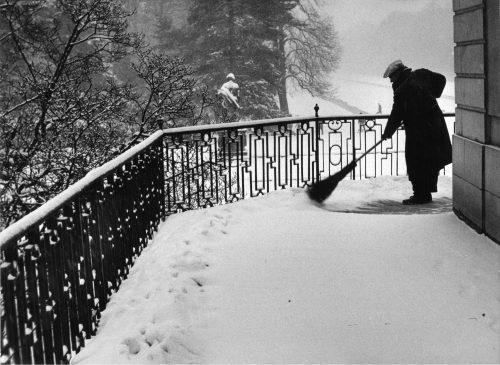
<point>476,144</point>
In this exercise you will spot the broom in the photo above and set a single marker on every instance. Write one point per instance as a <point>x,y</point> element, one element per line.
<point>322,189</point>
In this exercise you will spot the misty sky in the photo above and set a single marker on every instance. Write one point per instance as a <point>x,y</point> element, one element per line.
<point>375,32</point>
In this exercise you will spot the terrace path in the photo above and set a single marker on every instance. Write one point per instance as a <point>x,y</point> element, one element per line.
<point>275,279</point>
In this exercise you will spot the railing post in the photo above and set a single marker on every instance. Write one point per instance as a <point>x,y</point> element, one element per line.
<point>11,346</point>
<point>353,139</point>
<point>317,130</point>
<point>161,178</point>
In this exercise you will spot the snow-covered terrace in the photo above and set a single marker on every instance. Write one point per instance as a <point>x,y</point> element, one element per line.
<point>276,279</point>
<point>271,279</point>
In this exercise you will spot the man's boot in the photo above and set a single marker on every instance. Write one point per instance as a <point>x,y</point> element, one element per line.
<point>418,198</point>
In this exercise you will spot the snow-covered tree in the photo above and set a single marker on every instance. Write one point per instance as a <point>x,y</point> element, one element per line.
<point>64,107</point>
<point>268,44</point>
<point>59,109</point>
<point>165,93</point>
<point>309,51</point>
<point>222,37</point>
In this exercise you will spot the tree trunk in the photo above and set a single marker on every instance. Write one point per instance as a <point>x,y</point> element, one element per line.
<point>282,75</point>
<point>283,97</point>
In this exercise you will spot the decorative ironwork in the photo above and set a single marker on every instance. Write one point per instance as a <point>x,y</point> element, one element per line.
<point>61,263</point>
<point>218,164</point>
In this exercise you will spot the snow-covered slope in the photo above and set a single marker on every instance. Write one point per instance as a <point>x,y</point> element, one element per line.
<point>355,93</point>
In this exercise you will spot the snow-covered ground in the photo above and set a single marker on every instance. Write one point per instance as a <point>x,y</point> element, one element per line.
<point>276,279</point>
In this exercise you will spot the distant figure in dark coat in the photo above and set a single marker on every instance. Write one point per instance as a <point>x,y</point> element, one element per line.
<point>428,145</point>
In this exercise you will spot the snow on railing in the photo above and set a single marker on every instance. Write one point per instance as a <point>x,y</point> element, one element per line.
<point>15,230</point>
<point>61,263</point>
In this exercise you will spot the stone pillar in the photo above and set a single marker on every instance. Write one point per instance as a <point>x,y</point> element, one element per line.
<point>476,144</point>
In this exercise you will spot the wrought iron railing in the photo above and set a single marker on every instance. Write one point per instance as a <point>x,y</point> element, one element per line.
<point>216,164</point>
<point>61,263</point>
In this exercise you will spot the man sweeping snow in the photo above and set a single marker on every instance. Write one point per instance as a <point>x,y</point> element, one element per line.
<point>230,91</point>
<point>428,145</point>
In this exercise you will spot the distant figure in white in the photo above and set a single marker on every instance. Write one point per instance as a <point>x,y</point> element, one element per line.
<point>362,124</point>
<point>230,92</point>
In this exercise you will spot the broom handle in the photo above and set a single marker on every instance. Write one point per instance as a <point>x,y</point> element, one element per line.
<point>372,148</point>
<point>368,151</point>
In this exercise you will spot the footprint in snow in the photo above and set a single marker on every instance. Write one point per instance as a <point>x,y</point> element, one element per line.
<point>132,344</point>
<point>198,281</point>
<point>153,335</point>
<point>190,265</point>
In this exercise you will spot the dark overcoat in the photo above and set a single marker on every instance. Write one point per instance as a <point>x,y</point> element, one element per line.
<point>428,145</point>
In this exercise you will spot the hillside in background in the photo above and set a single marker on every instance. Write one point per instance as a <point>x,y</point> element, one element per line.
<point>359,93</point>
<point>421,38</point>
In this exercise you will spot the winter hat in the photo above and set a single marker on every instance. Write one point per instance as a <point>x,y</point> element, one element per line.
<point>230,76</point>
<point>393,67</point>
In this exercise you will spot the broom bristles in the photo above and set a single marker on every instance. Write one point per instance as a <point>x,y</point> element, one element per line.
<point>322,189</point>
